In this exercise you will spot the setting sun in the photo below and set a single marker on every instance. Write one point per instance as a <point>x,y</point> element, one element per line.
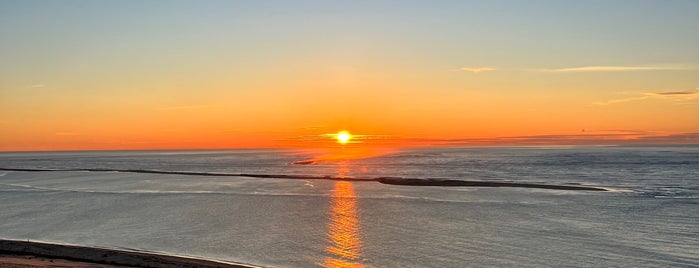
<point>343,137</point>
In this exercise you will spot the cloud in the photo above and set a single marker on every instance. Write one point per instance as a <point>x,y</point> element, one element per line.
<point>681,138</point>
<point>677,93</point>
<point>668,95</point>
<point>615,69</point>
<point>37,86</point>
<point>589,69</point>
<point>615,101</point>
<point>477,69</point>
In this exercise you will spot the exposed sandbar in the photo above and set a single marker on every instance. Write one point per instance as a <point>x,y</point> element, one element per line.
<point>266,176</point>
<point>384,180</point>
<point>446,182</point>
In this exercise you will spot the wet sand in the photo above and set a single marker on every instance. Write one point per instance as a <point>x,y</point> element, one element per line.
<point>21,254</point>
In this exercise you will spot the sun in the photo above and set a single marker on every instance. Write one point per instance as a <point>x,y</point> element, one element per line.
<point>343,137</point>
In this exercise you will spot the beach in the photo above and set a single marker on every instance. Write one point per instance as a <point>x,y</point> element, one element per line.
<point>31,261</point>
<point>14,253</point>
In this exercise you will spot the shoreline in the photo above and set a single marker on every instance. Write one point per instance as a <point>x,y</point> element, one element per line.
<point>17,249</point>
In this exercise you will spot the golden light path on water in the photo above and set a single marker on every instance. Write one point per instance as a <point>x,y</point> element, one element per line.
<point>344,230</point>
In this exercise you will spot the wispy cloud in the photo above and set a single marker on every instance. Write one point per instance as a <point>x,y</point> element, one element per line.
<point>477,69</point>
<point>615,101</point>
<point>37,86</point>
<point>615,69</point>
<point>668,95</point>
<point>591,69</point>
<point>694,93</point>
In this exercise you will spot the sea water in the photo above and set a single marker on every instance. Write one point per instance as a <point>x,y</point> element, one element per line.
<point>649,218</point>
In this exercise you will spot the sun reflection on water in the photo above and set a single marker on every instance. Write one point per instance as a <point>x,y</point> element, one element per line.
<point>344,239</point>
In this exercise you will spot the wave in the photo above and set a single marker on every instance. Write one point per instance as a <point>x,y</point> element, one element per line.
<point>384,180</point>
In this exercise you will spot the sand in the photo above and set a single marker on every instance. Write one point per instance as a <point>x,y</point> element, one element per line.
<point>30,261</point>
<point>23,254</point>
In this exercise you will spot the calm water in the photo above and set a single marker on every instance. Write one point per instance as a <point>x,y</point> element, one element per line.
<point>650,219</point>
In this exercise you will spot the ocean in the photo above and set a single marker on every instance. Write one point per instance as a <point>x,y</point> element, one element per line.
<point>306,208</point>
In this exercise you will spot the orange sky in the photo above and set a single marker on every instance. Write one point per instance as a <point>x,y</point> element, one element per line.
<point>183,77</point>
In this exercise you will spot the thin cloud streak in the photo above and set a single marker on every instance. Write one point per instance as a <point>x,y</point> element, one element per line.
<point>678,93</point>
<point>615,69</point>
<point>616,101</point>
<point>588,69</point>
<point>668,95</point>
<point>477,69</point>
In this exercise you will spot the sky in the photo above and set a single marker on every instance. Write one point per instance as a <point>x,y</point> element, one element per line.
<point>103,75</point>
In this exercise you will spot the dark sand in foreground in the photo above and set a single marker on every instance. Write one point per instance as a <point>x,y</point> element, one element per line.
<point>22,254</point>
<point>30,261</point>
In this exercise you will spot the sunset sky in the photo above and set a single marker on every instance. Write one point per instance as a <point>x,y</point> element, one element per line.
<point>241,74</point>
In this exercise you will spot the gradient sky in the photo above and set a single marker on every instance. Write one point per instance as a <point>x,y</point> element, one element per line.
<point>231,74</point>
